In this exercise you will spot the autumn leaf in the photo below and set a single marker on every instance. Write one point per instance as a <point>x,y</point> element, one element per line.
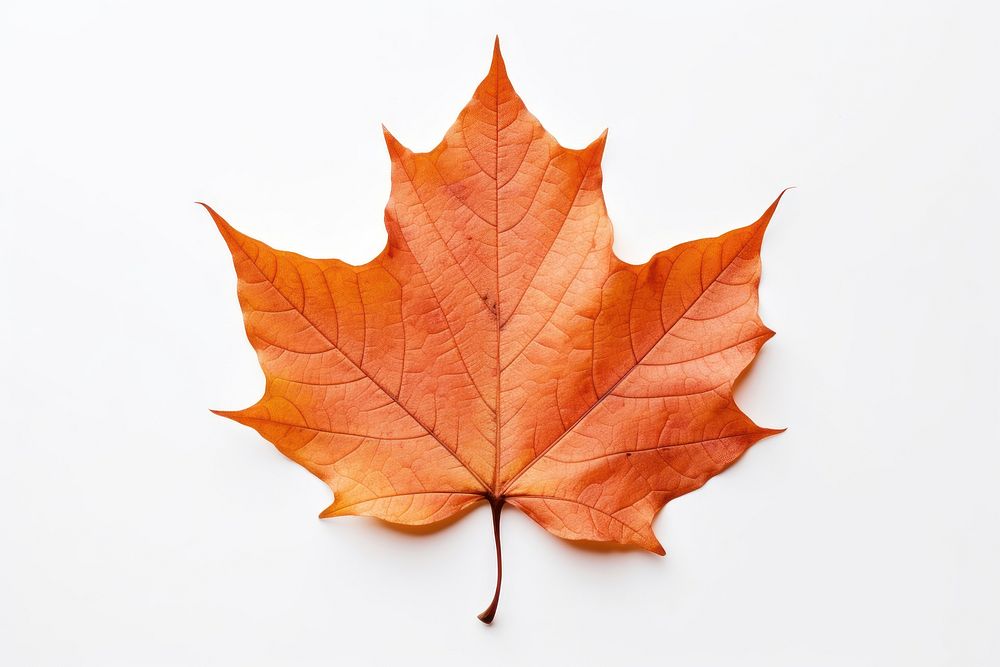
<point>497,350</point>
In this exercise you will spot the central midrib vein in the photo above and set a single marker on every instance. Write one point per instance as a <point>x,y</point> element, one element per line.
<point>497,314</point>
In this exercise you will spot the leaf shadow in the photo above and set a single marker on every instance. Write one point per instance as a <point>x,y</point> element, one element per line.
<point>593,547</point>
<point>743,379</point>
<point>417,531</point>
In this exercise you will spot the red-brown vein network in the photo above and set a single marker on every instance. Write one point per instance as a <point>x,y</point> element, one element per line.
<point>498,350</point>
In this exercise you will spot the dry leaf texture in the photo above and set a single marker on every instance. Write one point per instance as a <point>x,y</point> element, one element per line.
<point>498,350</point>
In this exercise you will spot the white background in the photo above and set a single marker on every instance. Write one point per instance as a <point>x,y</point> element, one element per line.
<point>138,529</point>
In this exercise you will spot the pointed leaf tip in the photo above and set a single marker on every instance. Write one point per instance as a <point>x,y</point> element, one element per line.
<point>211,211</point>
<point>393,144</point>
<point>498,68</point>
<point>390,140</point>
<point>224,227</point>
<point>765,218</point>
<point>599,143</point>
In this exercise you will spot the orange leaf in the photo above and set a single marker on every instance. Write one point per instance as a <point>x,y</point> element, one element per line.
<point>498,350</point>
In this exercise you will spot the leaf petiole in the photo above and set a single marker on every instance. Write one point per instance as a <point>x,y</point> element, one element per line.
<point>496,504</point>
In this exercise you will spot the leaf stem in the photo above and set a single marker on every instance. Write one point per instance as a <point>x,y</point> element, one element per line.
<point>496,504</point>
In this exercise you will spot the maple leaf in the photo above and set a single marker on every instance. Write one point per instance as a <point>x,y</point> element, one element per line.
<point>497,350</point>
